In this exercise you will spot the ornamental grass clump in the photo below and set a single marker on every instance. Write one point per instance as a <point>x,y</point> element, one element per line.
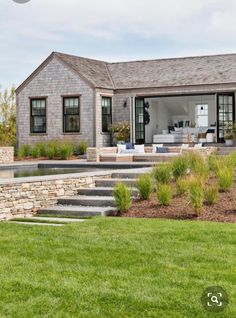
<point>164,194</point>
<point>66,150</point>
<point>195,192</point>
<point>201,169</point>
<point>24,151</point>
<point>122,196</point>
<point>162,173</point>
<point>211,194</point>
<point>181,186</point>
<point>145,186</point>
<point>81,148</point>
<point>213,163</point>
<point>42,146</point>
<point>35,152</point>
<point>225,178</point>
<point>52,149</point>
<point>180,166</point>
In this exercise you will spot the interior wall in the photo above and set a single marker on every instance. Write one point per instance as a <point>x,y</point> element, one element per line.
<point>165,111</point>
<point>160,118</point>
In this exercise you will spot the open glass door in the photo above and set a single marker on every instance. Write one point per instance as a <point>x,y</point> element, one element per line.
<point>139,121</point>
<point>225,113</point>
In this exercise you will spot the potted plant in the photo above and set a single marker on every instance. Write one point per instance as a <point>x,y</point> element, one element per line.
<point>230,135</point>
<point>229,139</point>
<point>120,132</point>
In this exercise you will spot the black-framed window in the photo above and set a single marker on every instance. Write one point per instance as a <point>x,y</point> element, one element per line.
<point>106,113</point>
<point>71,114</point>
<point>38,115</point>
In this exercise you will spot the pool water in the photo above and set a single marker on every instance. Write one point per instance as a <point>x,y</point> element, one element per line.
<point>35,172</point>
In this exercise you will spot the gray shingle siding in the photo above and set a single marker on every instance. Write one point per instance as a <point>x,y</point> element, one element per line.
<point>54,81</point>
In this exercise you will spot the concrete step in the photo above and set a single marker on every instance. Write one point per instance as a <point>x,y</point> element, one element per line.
<point>126,175</point>
<point>77,211</point>
<point>102,191</point>
<point>84,200</point>
<point>114,181</point>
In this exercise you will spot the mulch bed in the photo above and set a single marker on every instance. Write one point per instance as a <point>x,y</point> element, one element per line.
<point>223,211</point>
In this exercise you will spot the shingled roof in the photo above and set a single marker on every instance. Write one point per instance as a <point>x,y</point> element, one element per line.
<point>201,70</point>
<point>215,69</point>
<point>96,72</point>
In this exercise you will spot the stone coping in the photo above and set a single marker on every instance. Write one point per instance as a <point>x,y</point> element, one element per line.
<point>67,176</point>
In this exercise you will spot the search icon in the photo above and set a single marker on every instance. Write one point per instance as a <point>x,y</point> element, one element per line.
<point>214,299</point>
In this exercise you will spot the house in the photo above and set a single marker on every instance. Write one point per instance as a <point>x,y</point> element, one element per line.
<point>165,100</point>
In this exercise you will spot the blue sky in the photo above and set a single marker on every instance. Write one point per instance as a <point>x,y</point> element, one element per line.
<point>111,30</point>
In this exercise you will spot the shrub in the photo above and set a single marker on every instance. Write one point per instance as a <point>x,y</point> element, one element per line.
<point>211,194</point>
<point>196,195</point>
<point>122,195</point>
<point>145,186</point>
<point>181,186</point>
<point>52,149</point>
<point>163,173</point>
<point>225,178</point>
<point>164,194</point>
<point>180,166</point>
<point>35,152</point>
<point>24,151</point>
<point>65,150</point>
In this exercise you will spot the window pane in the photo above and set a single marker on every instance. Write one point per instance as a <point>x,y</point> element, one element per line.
<point>71,106</point>
<point>72,123</point>
<point>39,124</point>
<point>202,115</point>
<point>106,113</point>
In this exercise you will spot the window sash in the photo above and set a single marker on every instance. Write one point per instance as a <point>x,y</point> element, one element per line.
<point>106,113</point>
<point>38,120</point>
<point>71,114</point>
<point>201,113</point>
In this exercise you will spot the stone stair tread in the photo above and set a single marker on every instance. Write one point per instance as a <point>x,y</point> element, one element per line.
<point>89,198</point>
<point>36,223</point>
<point>64,220</point>
<point>118,179</point>
<point>104,188</point>
<point>78,208</point>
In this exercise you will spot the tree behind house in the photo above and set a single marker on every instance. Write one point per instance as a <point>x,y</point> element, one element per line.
<point>7,117</point>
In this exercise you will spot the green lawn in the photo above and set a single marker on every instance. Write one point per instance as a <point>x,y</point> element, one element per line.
<point>115,268</point>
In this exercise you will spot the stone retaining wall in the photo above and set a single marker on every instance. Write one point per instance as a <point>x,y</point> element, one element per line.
<point>6,155</point>
<point>25,198</point>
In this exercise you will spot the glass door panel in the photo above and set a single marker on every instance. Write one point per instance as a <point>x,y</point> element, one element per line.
<point>225,113</point>
<point>139,121</point>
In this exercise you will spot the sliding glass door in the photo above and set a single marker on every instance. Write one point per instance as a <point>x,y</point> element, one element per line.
<point>225,113</point>
<point>139,121</point>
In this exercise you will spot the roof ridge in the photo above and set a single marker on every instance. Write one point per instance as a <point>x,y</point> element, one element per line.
<point>81,57</point>
<point>174,58</point>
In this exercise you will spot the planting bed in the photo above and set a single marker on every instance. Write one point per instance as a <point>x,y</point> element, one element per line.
<point>223,211</point>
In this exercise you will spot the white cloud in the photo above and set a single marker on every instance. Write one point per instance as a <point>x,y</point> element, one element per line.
<point>30,31</point>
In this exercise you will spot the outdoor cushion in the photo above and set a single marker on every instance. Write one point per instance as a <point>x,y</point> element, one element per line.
<point>129,145</point>
<point>140,148</point>
<point>162,150</point>
<point>154,147</point>
<point>121,147</point>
